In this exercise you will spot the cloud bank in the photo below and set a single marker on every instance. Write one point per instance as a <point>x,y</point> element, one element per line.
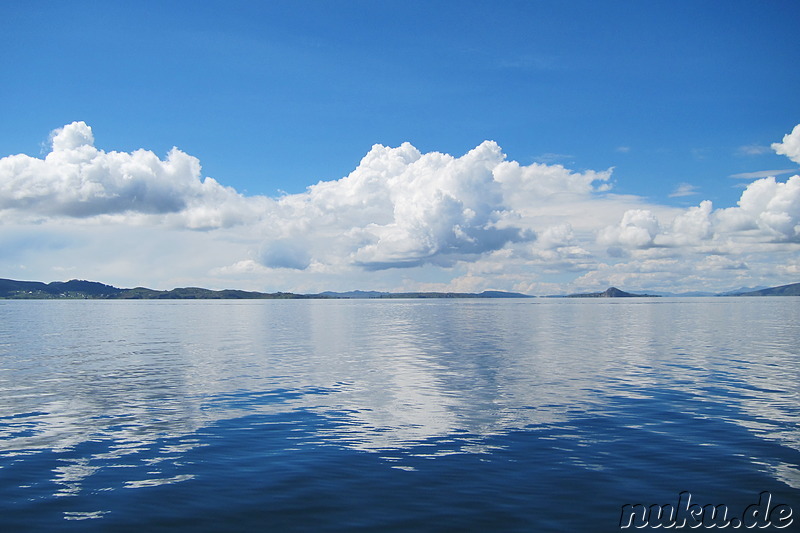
<point>402,219</point>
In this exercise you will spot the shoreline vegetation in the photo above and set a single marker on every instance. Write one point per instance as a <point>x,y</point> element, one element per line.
<point>82,290</point>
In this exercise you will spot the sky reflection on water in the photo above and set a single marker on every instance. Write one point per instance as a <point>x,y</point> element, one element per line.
<point>136,386</point>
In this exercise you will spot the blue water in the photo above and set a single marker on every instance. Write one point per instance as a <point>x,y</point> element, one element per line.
<point>405,415</point>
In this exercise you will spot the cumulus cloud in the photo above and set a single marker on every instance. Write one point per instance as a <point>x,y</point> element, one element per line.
<point>637,229</point>
<point>496,223</point>
<point>555,237</point>
<point>533,185</point>
<point>401,219</point>
<point>401,208</point>
<point>692,226</point>
<point>78,180</point>
<point>720,262</point>
<point>768,211</point>
<point>769,206</point>
<point>790,147</point>
<point>71,137</point>
<point>398,208</point>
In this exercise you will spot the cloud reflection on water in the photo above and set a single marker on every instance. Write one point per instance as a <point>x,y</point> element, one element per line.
<point>137,384</point>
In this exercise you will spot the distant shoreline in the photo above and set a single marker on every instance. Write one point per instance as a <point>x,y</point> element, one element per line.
<point>92,290</point>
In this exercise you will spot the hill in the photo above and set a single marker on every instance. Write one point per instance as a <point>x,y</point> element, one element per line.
<point>10,288</point>
<point>793,289</point>
<point>353,295</point>
<point>611,292</point>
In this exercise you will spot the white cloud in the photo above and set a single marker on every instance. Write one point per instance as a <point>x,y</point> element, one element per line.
<point>683,189</point>
<point>721,262</point>
<point>401,220</point>
<point>537,184</point>
<point>768,205</point>
<point>71,137</point>
<point>637,229</point>
<point>790,147</point>
<point>768,211</point>
<point>78,180</point>
<point>762,174</point>
<point>753,149</point>
<point>556,237</point>
<point>401,208</point>
<point>692,226</point>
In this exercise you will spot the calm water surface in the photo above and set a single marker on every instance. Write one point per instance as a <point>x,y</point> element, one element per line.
<point>410,415</point>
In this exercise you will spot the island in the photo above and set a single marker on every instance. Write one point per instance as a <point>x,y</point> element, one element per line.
<point>611,292</point>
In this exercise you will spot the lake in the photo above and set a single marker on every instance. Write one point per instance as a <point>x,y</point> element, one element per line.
<point>393,415</point>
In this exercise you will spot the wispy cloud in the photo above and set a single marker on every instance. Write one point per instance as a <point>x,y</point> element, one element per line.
<point>762,174</point>
<point>753,149</point>
<point>684,189</point>
<point>549,158</point>
<point>623,149</point>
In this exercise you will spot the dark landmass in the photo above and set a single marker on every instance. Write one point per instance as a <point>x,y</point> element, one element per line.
<point>79,289</point>
<point>741,290</point>
<point>611,292</point>
<point>58,289</point>
<point>197,293</point>
<point>353,295</point>
<point>793,289</point>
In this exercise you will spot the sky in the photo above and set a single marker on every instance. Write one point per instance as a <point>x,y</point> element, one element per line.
<point>543,147</point>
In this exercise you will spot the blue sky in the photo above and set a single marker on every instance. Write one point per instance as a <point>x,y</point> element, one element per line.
<point>274,97</point>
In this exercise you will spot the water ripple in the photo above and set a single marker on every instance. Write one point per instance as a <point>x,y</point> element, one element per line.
<point>632,397</point>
